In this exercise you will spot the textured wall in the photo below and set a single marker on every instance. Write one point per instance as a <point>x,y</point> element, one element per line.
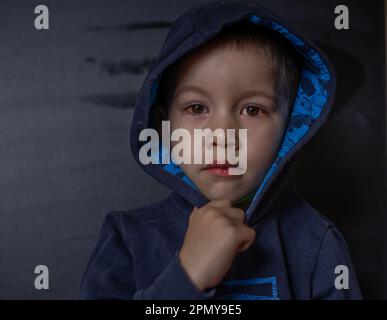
<point>65,109</point>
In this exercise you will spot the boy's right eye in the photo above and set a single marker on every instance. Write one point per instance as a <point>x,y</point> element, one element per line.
<point>195,108</point>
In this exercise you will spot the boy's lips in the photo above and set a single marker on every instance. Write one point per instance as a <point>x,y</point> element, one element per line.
<point>219,169</point>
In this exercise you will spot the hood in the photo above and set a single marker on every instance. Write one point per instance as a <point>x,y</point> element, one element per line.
<point>311,106</point>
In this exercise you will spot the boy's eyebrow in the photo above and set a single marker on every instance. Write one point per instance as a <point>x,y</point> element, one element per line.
<point>189,88</point>
<point>254,92</point>
<point>246,93</point>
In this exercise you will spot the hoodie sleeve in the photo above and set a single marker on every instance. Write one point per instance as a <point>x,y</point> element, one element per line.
<point>109,272</point>
<point>334,277</point>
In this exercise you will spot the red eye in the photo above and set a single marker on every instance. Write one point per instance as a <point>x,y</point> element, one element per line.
<point>252,111</point>
<point>196,108</point>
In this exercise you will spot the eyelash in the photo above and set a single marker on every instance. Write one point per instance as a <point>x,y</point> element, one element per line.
<point>190,107</point>
<point>260,110</point>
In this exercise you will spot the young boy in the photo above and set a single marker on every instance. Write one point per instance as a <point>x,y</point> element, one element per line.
<point>228,65</point>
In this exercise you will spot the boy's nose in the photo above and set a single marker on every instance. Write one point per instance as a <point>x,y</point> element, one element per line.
<point>225,122</point>
<point>223,119</point>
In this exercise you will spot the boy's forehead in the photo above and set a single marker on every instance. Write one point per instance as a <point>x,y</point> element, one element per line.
<point>219,65</point>
<point>210,54</point>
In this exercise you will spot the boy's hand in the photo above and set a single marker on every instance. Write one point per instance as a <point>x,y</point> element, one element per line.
<point>215,234</point>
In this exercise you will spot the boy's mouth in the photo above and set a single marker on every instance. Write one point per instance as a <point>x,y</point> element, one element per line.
<point>219,169</point>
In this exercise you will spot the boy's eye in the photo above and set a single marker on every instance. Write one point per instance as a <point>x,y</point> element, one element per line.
<point>196,108</point>
<point>252,111</point>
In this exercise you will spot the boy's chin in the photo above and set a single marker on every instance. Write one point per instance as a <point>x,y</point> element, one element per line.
<point>230,195</point>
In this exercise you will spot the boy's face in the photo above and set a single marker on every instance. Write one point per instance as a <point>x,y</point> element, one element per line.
<point>229,89</point>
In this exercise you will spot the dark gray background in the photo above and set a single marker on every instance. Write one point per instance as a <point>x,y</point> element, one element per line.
<point>65,109</point>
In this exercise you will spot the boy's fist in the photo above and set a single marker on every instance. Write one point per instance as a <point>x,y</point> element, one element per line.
<point>215,234</point>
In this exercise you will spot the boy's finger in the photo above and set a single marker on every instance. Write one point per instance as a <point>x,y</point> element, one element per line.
<point>195,209</point>
<point>247,237</point>
<point>233,213</point>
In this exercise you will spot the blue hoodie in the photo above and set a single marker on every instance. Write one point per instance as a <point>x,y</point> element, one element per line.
<point>296,249</point>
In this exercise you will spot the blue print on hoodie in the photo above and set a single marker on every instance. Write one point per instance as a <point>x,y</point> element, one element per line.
<point>296,248</point>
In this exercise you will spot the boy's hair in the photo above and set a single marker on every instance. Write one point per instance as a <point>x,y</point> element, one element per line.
<point>287,63</point>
